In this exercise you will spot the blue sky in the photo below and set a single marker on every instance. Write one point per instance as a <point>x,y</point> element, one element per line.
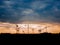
<point>15,11</point>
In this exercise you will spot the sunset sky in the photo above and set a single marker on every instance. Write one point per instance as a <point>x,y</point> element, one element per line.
<point>30,10</point>
<point>35,11</point>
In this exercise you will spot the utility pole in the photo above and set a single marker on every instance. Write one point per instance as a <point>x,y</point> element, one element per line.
<point>40,29</point>
<point>28,28</point>
<point>33,30</point>
<point>46,28</point>
<point>17,29</point>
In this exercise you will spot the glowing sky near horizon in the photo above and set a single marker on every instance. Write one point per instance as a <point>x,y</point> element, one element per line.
<point>11,28</point>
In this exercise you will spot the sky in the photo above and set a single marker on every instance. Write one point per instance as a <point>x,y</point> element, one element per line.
<point>17,11</point>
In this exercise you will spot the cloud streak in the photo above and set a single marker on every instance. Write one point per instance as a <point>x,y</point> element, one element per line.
<point>30,15</point>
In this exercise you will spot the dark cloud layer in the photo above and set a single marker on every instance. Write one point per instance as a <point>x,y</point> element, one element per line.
<point>15,11</point>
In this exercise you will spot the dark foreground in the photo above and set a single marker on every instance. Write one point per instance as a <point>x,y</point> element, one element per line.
<point>43,36</point>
